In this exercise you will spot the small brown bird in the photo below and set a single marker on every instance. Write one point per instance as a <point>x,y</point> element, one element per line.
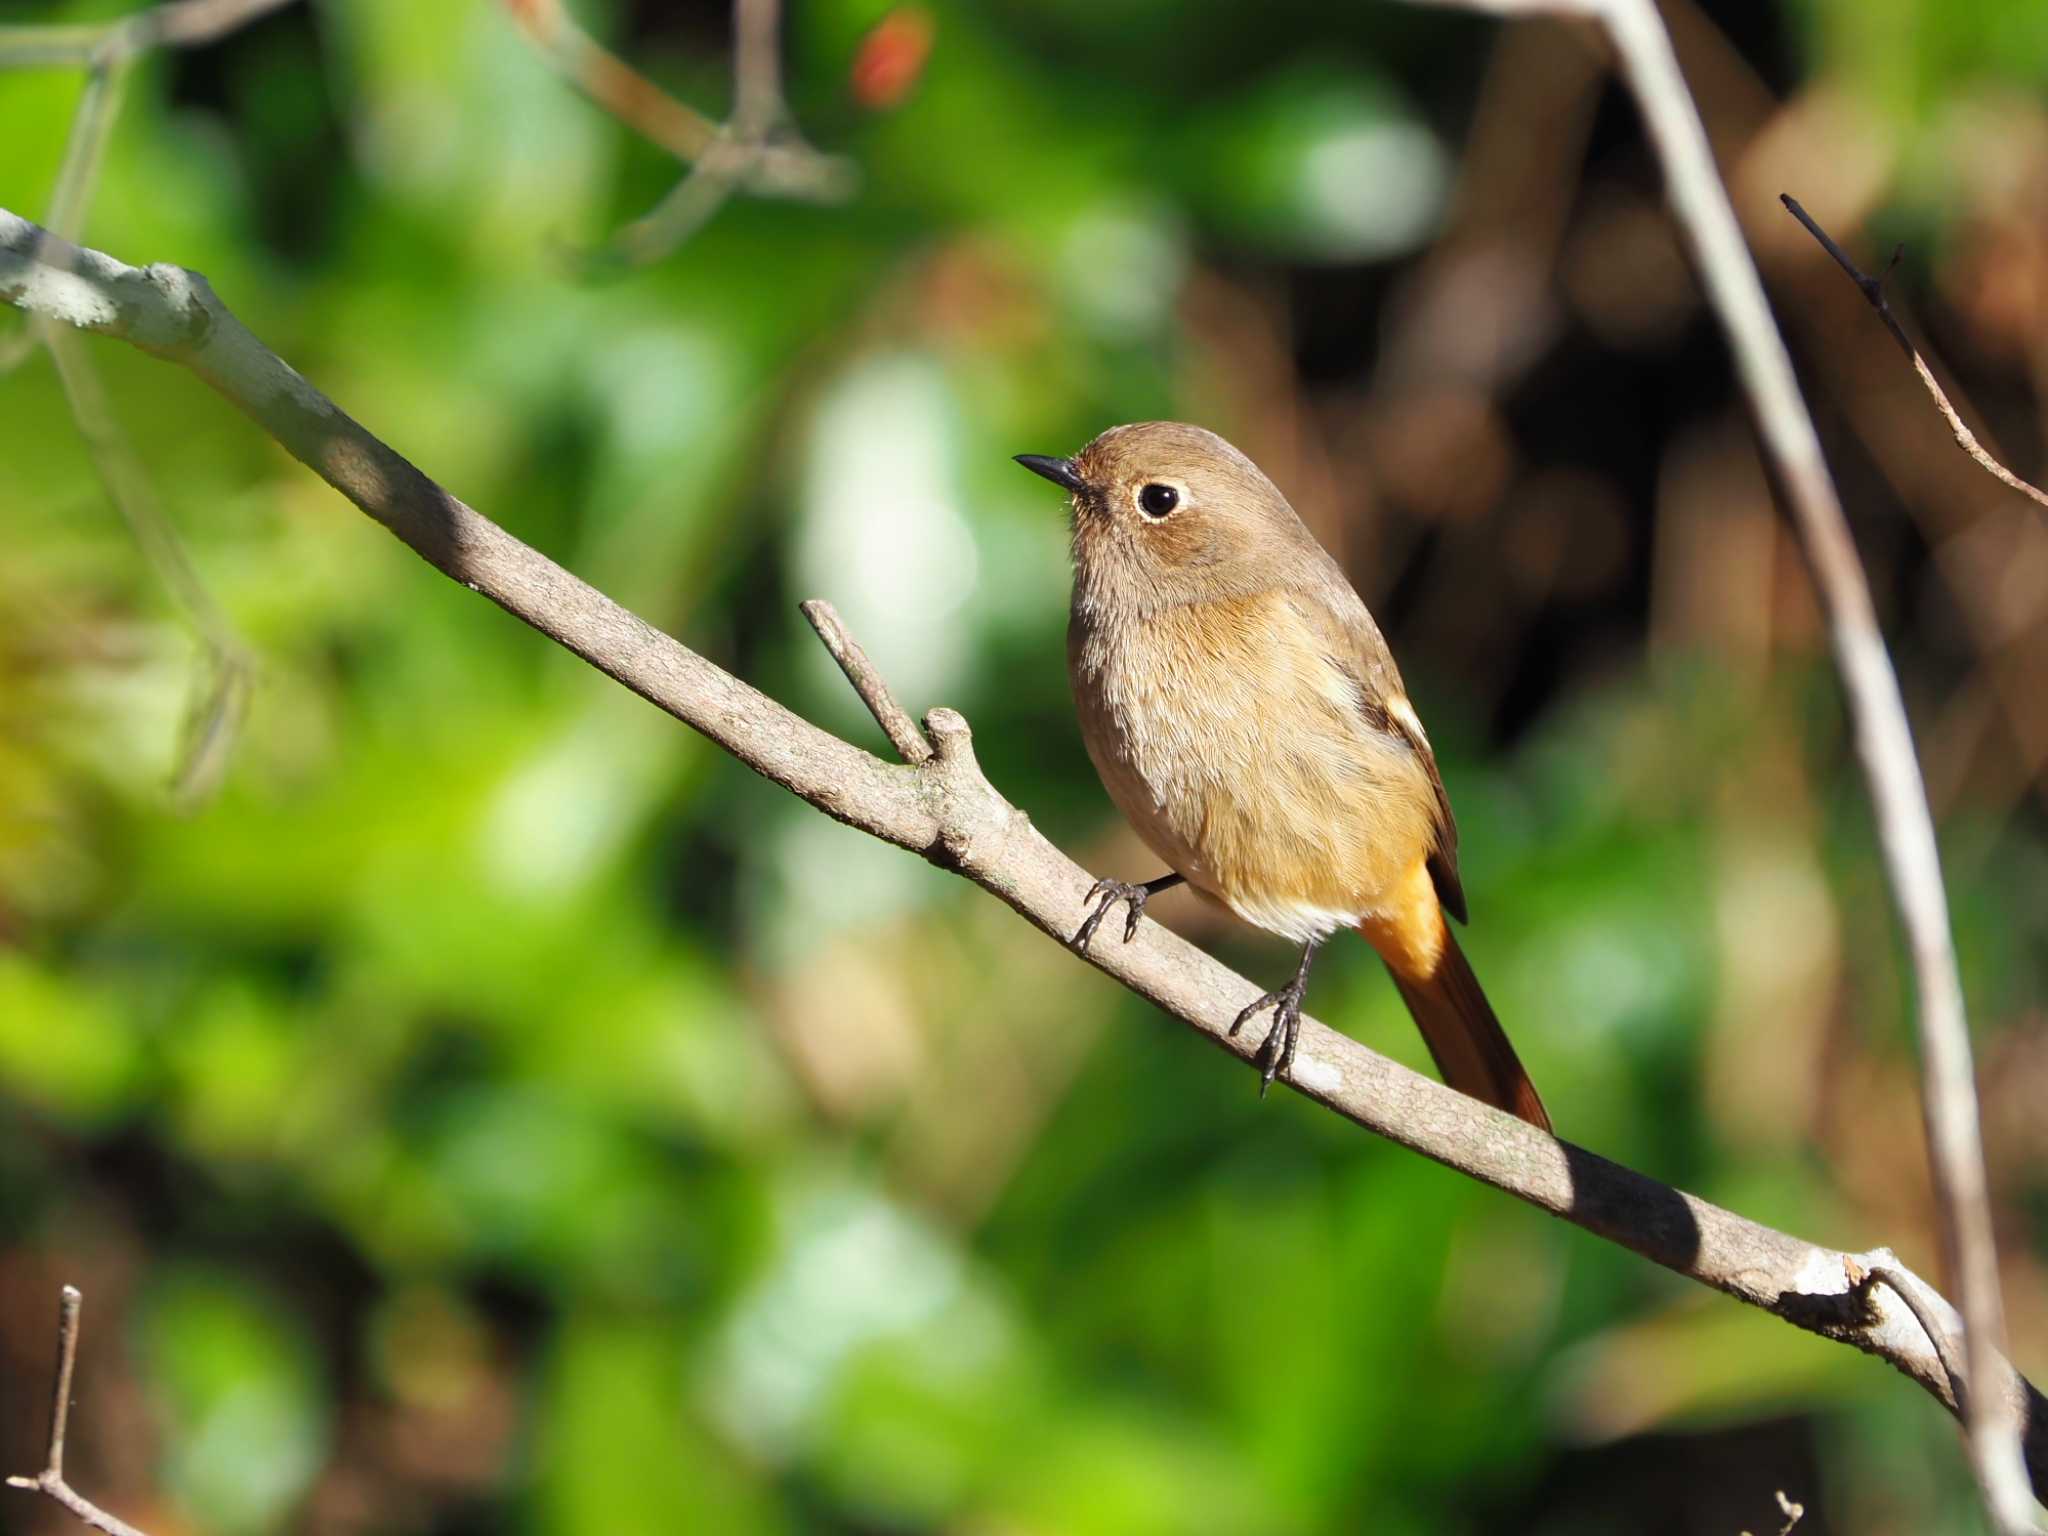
<point>1245,714</point>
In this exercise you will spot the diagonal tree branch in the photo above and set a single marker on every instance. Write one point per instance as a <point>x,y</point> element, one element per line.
<point>945,810</point>
<point>1872,289</point>
<point>1884,740</point>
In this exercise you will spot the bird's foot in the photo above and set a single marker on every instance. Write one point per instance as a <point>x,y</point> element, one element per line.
<point>1276,1052</point>
<point>1106,894</point>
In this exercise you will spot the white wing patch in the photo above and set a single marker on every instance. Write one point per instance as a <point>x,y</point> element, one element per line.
<point>1399,707</point>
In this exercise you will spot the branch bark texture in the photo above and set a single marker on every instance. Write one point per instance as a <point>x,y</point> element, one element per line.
<point>945,810</point>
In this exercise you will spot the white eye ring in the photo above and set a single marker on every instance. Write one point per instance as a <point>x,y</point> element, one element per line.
<point>1156,498</point>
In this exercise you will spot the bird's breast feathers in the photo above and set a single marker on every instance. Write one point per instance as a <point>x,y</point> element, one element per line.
<point>1248,759</point>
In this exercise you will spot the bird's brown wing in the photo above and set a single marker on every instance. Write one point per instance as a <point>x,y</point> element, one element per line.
<point>1355,646</point>
<point>1443,858</point>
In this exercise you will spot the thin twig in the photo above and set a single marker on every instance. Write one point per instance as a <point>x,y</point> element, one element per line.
<point>707,186</point>
<point>610,82</point>
<point>222,683</point>
<point>50,1481</point>
<point>757,104</point>
<point>1872,289</point>
<point>946,811</point>
<point>1884,739</point>
<point>178,24</point>
<point>106,51</point>
<point>783,167</point>
<point>894,720</point>
<point>757,151</point>
<point>69,1300</point>
<point>220,691</point>
<point>1944,1346</point>
<point>78,177</point>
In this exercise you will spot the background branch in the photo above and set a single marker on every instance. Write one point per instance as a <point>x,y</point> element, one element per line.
<point>179,23</point>
<point>1872,289</point>
<point>1884,742</point>
<point>226,673</point>
<point>610,83</point>
<point>50,1481</point>
<point>946,810</point>
<point>757,151</point>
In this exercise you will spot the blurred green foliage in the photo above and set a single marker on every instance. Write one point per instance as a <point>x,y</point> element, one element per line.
<point>496,1109</point>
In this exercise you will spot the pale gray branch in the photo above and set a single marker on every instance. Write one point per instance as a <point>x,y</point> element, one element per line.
<point>946,810</point>
<point>874,692</point>
<point>1884,740</point>
<point>220,693</point>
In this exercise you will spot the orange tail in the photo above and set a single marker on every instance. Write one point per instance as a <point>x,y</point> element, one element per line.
<point>1457,1023</point>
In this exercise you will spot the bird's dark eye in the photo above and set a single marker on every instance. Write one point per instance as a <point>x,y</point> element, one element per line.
<point>1157,500</point>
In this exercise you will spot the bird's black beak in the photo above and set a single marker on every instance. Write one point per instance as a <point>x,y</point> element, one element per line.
<point>1060,472</point>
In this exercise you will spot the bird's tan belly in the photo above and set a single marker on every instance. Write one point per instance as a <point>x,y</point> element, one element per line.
<point>1255,776</point>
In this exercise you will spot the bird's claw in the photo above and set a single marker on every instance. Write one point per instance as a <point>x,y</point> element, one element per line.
<point>1276,1051</point>
<point>1106,894</point>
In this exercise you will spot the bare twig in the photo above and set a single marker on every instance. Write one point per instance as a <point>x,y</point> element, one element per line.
<point>180,24</point>
<point>50,1481</point>
<point>749,146</point>
<point>1938,1336</point>
<point>894,720</point>
<point>1872,289</point>
<point>78,177</point>
<point>945,810</point>
<point>221,688</point>
<point>69,1300</point>
<point>684,209</point>
<point>610,82</point>
<point>757,152</point>
<point>1884,741</point>
<point>105,51</point>
<point>758,109</point>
